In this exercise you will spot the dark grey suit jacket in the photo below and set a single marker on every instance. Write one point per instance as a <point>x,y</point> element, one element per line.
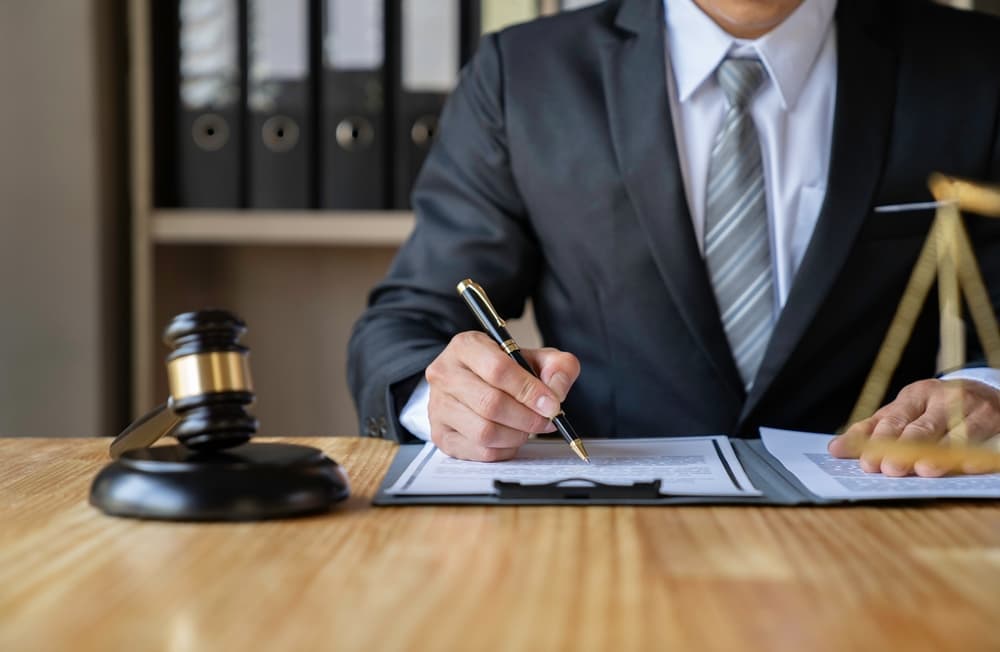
<point>556,177</point>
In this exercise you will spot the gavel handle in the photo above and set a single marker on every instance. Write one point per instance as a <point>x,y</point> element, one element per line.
<point>146,430</point>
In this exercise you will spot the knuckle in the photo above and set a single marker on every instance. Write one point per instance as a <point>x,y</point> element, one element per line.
<point>438,437</point>
<point>465,339</point>
<point>490,404</point>
<point>895,420</point>
<point>921,427</point>
<point>493,454</point>
<point>486,433</point>
<point>922,386</point>
<point>982,423</point>
<point>527,391</point>
<point>974,423</point>
<point>494,372</point>
<point>434,373</point>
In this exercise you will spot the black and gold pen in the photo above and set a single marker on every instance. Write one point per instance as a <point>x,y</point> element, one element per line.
<point>496,327</point>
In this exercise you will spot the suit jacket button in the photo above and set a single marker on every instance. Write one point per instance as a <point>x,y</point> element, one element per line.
<point>371,427</point>
<point>383,427</point>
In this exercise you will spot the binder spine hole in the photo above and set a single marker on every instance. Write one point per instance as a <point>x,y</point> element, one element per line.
<point>210,132</point>
<point>354,133</point>
<point>422,132</point>
<point>280,133</point>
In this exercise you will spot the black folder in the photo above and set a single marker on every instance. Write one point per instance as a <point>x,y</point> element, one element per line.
<point>208,97</point>
<point>777,485</point>
<point>279,102</point>
<point>353,126</point>
<point>426,55</point>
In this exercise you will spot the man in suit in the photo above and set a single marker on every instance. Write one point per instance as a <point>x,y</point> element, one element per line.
<point>686,191</point>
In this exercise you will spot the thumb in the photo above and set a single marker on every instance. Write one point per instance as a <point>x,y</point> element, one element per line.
<point>557,369</point>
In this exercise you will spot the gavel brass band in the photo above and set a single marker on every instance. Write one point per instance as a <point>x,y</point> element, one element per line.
<point>209,372</point>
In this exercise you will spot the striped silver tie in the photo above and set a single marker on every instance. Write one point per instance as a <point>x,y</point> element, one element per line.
<point>737,238</point>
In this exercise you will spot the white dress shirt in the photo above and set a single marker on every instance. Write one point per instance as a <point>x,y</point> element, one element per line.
<point>793,112</point>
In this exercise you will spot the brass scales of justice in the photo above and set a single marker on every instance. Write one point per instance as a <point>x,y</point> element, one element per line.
<point>947,256</point>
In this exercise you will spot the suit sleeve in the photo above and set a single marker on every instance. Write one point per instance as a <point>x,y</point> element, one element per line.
<point>470,222</point>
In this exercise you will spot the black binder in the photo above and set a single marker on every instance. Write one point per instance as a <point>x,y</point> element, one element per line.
<point>351,60</point>
<point>279,105</point>
<point>209,104</point>
<point>426,53</point>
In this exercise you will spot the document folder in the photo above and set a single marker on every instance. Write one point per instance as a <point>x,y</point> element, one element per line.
<point>279,105</point>
<point>776,484</point>
<point>209,98</point>
<point>425,68</point>
<point>353,143</point>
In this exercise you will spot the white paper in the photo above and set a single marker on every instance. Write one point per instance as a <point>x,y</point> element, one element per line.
<point>567,5</point>
<point>430,45</point>
<point>804,454</point>
<point>209,53</point>
<point>684,465</point>
<point>355,34</point>
<point>279,39</point>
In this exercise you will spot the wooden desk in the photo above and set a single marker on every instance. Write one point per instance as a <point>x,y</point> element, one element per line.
<point>467,578</point>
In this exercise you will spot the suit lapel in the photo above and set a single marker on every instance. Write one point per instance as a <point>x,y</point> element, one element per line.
<point>865,96</point>
<point>634,74</point>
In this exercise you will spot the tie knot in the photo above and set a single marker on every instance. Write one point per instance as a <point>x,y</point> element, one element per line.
<point>740,79</point>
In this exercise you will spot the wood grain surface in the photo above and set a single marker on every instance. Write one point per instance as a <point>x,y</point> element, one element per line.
<point>472,577</point>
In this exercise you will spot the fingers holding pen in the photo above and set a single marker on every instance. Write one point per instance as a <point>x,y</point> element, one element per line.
<point>498,371</point>
<point>482,404</point>
<point>557,369</point>
<point>456,444</point>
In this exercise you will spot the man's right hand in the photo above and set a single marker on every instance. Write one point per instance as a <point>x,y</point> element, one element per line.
<point>483,405</point>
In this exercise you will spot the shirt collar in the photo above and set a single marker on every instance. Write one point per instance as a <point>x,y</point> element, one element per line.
<point>697,46</point>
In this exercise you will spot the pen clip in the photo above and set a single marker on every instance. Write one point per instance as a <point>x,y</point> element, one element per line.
<point>475,288</point>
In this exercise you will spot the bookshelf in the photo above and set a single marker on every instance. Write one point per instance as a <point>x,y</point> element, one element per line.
<point>299,278</point>
<point>307,228</point>
<point>255,262</point>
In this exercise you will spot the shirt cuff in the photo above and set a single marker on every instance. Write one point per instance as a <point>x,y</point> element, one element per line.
<point>414,417</point>
<point>986,375</point>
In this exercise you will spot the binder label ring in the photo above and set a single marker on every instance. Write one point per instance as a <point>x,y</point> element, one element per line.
<point>280,133</point>
<point>210,132</point>
<point>354,133</point>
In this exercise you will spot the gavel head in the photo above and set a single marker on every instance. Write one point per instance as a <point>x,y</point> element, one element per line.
<point>209,377</point>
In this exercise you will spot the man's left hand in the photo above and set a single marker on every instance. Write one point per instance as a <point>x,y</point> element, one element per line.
<point>927,411</point>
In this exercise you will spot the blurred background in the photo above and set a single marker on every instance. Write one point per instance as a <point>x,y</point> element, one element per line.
<point>171,155</point>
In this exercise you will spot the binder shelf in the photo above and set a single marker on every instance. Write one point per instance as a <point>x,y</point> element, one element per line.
<point>257,227</point>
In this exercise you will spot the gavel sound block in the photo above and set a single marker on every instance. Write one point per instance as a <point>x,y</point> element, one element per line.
<point>215,473</point>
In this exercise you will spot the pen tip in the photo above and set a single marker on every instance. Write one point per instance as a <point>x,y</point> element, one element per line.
<point>581,452</point>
